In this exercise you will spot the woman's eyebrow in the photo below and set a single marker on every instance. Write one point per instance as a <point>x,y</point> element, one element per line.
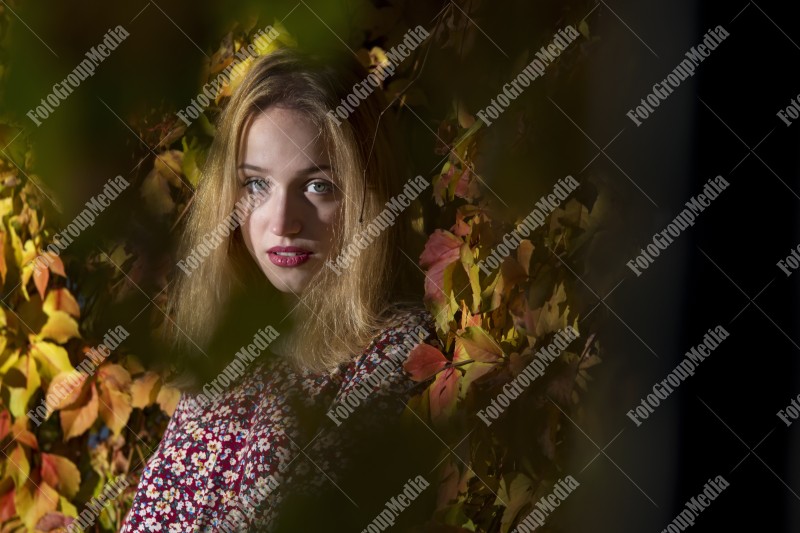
<point>308,170</point>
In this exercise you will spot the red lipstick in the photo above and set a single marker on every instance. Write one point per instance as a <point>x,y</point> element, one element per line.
<point>288,256</point>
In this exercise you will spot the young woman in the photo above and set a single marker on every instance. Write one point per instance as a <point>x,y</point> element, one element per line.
<point>300,428</point>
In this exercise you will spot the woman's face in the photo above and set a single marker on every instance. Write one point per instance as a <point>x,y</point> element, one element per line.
<point>290,233</point>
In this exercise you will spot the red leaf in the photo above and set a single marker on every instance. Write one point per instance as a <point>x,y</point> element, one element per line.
<point>424,361</point>
<point>5,424</point>
<point>442,251</point>
<point>7,507</point>
<point>443,395</point>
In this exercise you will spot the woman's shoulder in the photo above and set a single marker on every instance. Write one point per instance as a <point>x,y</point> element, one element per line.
<point>405,328</point>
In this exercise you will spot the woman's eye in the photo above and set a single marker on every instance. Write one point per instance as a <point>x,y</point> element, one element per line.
<point>320,187</point>
<point>255,185</point>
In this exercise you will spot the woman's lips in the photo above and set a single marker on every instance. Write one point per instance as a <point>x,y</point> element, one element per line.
<point>288,256</point>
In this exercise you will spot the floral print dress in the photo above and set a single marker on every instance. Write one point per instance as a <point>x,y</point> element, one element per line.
<point>228,466</point>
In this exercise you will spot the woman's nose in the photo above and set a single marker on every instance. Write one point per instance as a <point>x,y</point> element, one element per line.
<point>284,215</point>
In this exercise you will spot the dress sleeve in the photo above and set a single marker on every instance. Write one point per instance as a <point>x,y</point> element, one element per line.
<point>142,514</point>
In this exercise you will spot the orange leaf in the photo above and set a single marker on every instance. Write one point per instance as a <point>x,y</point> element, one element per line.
<point>76,421</point>
<point>64,390</point>
<point>20,433</point>
<point>3,265</point>
<point>115,407</point>
<point>424,361</point>
<point>61,473</point>
<point>57,266</point>
<point>40,277</point>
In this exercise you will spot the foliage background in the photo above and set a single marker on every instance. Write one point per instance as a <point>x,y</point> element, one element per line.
<point>489,326</point>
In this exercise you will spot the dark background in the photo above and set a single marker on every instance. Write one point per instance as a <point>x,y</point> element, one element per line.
<point>722,121</point>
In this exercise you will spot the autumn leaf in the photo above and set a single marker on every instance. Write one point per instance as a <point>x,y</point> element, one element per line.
<point>40,278</point>
<point>424,361</point>
<point>5,423</point>
<point>25,370</point>
<point>52,358</point>
<point>440,256</point>
<point>64,390</point>
<point>7,507</point>
<point>31,507</point>
<point>474,371</point>
<point>475,344</point>
<point>18,467</point>
<point>54,522</point>
<point>115,398</point>
<point>516,490</point>
<point>60,327</point>
<point>61,300</point>
<point>76,420</point>
<point>143,390</point>
<point>61,473</point>
<point>168,398</point>
<point>443,395</point>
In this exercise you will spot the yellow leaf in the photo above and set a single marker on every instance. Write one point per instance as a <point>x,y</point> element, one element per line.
<point>32,507</point>
<point>143,391</point>
<point>168,399</point>
<point>60,327</point>
<point>53,359</point>
<point>19,396</point>
<point>18,466</point>
<point>476,344</point>
<point>61,300</point>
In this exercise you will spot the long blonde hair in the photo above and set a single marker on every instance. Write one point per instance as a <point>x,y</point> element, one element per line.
<point>342,313</point>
